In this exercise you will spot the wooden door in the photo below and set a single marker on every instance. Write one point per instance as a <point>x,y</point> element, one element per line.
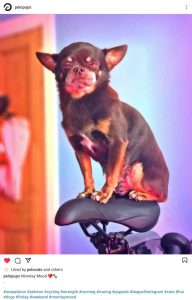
<point>22,224</point>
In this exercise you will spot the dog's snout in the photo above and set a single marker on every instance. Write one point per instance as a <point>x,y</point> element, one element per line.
<point>78,70</point>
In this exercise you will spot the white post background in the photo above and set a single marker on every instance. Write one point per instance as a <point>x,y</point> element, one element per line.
<point>99,7</point>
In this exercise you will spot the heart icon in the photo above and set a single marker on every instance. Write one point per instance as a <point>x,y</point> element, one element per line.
<point>50,275</point>
<point>7,260</point>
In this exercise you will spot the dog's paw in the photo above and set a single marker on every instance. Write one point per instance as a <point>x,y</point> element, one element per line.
<point>142,196</point>
<point>96,196</point>
<point>84,195</point>
<point>138,196</point>
<point>101,197</point>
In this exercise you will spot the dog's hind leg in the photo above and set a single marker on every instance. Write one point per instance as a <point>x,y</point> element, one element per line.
<point>144,185</point>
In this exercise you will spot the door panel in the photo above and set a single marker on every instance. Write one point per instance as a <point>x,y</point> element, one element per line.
<point>22,224</point>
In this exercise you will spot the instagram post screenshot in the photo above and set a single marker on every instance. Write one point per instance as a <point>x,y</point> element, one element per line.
<point>95,149</point>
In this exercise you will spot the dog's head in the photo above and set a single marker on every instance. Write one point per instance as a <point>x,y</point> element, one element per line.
<point>81,68</point>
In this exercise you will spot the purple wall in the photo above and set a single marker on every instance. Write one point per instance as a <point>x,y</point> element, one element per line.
<point>156,78</point>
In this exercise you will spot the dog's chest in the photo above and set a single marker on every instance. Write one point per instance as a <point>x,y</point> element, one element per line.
<point>93,143</point>
<point>86,130</point>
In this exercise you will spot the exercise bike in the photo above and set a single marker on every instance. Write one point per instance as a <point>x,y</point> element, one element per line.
<point>138,217</point>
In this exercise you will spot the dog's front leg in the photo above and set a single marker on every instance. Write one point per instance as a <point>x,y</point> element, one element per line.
<point>115,161</point>
<point>86,169</point>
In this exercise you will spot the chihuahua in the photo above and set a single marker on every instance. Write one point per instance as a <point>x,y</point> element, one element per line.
<point>100,126</point>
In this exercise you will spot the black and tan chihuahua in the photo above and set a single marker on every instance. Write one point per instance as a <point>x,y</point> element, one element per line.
<point>100,126</point>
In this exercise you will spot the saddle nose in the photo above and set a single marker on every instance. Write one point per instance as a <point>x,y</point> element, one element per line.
<point>78,70</point>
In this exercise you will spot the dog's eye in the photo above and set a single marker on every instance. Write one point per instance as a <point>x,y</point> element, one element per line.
<point>92,63</point>
<point>67,61</point>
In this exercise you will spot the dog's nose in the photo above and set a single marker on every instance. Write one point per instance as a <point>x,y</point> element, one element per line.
<point>78,70</point>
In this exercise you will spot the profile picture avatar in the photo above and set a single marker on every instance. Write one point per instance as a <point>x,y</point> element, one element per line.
<point>7,6</point>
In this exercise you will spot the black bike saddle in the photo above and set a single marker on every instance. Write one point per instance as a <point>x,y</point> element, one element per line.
<point>139,216</point>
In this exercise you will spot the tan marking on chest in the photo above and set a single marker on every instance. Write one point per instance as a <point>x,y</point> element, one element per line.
<point>104,126</point>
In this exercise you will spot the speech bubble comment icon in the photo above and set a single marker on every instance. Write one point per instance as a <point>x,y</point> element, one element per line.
<point>17,260</point>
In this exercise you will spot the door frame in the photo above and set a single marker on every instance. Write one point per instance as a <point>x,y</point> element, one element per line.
<point>17,25</point>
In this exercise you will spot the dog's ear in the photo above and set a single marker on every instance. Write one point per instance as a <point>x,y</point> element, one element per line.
<point>48,60</point>
<point>114,55</point>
